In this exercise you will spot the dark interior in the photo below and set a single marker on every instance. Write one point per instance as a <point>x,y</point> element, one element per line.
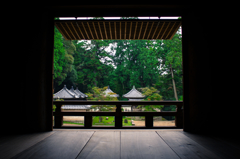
<point>31,106</point>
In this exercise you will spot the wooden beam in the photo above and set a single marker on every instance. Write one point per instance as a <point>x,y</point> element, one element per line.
<point>140,30</point>
<point>71,32</point>
<point>85,31</point>
<point>165,30</point>
<point>90,30</point>
<point>80,30</point>
<point>115,30</point>
<point>105,30</point>
<point>150,30</point>
<point>135,30</point>
<point>160,30</point>
<point>95,30</point>
<point>171,29</point>
<point>66,31</point>
<point>100,30</point>
<point>130,30</point>
<point>175,30</point>
<point>61,31</point>
<point>156,29</point>
<point>75,30</point>
<point>110,30</point>
<point>120,31</point>
<point>125,30</point>
<point>145,30</point>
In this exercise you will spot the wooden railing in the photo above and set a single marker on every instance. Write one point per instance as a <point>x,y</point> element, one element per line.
<point>58,114</point>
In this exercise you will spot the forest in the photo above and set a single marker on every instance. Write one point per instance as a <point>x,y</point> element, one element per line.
<point>119,64</point>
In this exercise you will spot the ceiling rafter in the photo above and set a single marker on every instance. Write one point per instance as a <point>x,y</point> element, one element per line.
<point>118,29</point>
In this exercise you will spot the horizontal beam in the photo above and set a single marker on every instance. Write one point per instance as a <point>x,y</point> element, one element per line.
<point>72,102</point>
<point>116,113</point>
<point>120,20</point>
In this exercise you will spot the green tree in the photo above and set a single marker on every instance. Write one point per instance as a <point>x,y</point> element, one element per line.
<point>97,94</point>
<point>152,94</point>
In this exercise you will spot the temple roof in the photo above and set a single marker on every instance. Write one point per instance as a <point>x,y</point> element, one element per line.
<point>65,93</point>
<point>135,94</point>
<point>78,93</point>
<point>108,90</point>
<point>76,107</point>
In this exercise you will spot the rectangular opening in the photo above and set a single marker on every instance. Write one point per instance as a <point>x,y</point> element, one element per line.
<point>73,121</point>
<point>103,121</point>
<point>159,121</point>
<point>136,121</point>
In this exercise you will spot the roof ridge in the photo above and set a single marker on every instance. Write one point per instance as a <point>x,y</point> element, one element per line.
<point>134,89</point>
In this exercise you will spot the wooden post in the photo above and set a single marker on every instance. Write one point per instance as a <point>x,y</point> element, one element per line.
<point>149,121</point>
<point>118,117</point>
<point>179,117</point>
<point>88,121</point>
<point>58,118</point>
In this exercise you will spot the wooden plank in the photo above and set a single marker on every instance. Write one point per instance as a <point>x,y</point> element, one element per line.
<point>156,29</point>
<point>90,30</point>
<point>80,31</point>
<point>170,30</point>
<point>85,31</point>
<point>160,30</point>
<point>145,30</point>
<point>165,30</point>
<point>110,30</point>
<point>175,30</point>
<point>220,148</point>
<point>115,30</point>
<point>71,32</point>
<point>150,31</point>
<point>100,30</point>
<point>184,146</point>
<point>75,31</point>
<point>135,145</point>
<point>120,31</point>
<point>102,145</point>
<point>130,31</point>
<point>95,30</point>
<point>60,145</point>
<point>65,31</point>
<point>125,30</point>
<point>61,31</point>
<point>135,30</point>
<point>13,144</point>
<point>105,30</point>
<point>140,30</point>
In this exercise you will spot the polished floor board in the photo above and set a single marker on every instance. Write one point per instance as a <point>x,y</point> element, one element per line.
<point>117,144</point>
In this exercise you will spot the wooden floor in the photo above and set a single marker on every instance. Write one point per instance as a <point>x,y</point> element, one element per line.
<point>117,144</point>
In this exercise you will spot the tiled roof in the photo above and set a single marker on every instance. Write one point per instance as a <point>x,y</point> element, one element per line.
<point>76,107</point>
<point>108,90</point>
<point>134,94</point>
<point>64,93</point>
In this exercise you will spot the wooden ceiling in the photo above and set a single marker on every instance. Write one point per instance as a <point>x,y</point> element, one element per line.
<point>117,29</point>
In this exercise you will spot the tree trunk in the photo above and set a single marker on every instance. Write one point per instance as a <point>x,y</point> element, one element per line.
<point>174,86</point>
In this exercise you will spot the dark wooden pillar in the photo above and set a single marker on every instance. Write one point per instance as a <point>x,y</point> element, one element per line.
<point>149,121</point>
<point>58,118</point>
<point>118,117</point>
<point>87,121</point>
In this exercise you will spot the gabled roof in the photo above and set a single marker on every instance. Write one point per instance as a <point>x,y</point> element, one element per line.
<point>76,107</point>
<point>65,93</point>
<point>81,95</point>
<point>108,90</point>
<point>134,94</point>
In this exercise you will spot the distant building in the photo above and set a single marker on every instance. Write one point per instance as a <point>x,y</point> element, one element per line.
<point>108,91</point>
<point>72,94</point>
<point>133,95</point>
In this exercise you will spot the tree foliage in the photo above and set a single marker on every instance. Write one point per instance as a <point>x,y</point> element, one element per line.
<point>91,65</point>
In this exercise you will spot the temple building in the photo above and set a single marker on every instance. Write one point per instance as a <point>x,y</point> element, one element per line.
<point>72,94</point>
<point>109,92</point>
<point>133,95</point>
